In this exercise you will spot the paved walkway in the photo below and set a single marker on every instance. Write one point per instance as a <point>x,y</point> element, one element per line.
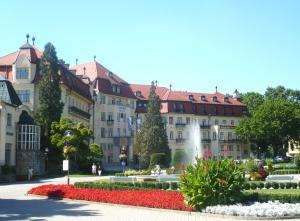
<point>15,205</point>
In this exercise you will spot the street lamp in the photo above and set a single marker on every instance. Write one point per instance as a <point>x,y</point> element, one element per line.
<point>46,158</point>
<point>66,166</point>
<point>123,157</point>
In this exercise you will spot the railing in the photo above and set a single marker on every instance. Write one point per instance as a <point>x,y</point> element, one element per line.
<point>77,111</point>
<point>231,141</point>
<point>110,122</point>
<point>205,126</point>
<point>180,125</point>
<point>205,140</point>
<point>227,127</point>
<point>179,110</point>
<point>180,140</point>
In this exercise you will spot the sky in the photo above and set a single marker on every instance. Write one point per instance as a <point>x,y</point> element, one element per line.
<point>247,45</point>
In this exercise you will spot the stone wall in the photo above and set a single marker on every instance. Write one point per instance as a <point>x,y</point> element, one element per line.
<point>30,158</point>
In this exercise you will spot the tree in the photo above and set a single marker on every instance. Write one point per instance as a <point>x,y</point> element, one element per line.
<point>280,92</point>
<point>253,100</point>
<point>96,152</point>
<point>83,154</point>
<point>152,138</point>
<point>50,107</point>
<point>273,123</point>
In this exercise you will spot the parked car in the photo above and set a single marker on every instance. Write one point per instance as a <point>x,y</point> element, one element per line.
<point>278,159</point>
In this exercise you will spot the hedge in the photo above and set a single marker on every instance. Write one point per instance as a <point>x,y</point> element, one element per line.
<point>268,185</point>
<point>289,171</point>
<point>128,185</point>
<point>265,197</point>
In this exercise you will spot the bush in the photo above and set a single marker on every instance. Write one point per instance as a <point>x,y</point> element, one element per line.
<point>255,176</point>
<point>251,166</point>
<point>268,185</point>
<point>253,186</point>
<point>294,185</point>
<point>260,185</point>
<point>157,159</point>
<point>297,161</point>
<point>179,159</point>
<point>209,182</point>
<point>246,186</point>
<point>266,197</point>
<point>288,185</point>
<point>270,165</point>
<point>275,185</point>
<point>286,171</point>
<point>6,169</point>
<point>282,185</point>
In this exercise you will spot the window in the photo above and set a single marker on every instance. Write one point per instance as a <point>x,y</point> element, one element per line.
<point>222,148</point>
<point>214,135</point>
<point>118,117</point>
<point>103,116</point>
<point>8,147</point>
<point>203,98</point>
<point>110,116</point>
<point>138,93</point>
<point>22,73</point>
<point>125,132</point>
<point>102,132</point>
<point>113,101</point>
<point>118,89</point>
<point>170,120</point>
<point>188,120</point>
<point>224,122</point>
<point>216,122</point>
<point>179,134</point>
<point>238,148</point>
<point>179,120</point>
<point>226,99</point>
<point>114,88</point>
<point>230,148</point>
<point>215,98</point>
<point>102,100</point>
<point>28,137</point>
<point>110,132</point>
<point>221,135</point>
<point>229,136</point>
<point>118,132</point>
<point>9,120</point>
<point>171,135</point>
<point>232,122</point>
<point>24,95</point>
<point>204,122</point>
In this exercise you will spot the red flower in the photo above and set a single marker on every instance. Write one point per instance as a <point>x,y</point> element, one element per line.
<point>147,198</point>
<point>222,182</point>
<point>206,168</point>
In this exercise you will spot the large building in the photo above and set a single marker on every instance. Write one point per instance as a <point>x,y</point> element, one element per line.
<point>114,109</point>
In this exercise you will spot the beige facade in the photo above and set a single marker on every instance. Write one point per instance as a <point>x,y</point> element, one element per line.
<point>294,148</point>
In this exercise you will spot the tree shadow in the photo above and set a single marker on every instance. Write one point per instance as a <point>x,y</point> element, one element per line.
<point>41,209</point>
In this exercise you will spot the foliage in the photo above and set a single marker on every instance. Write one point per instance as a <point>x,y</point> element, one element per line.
<point>272,123</point>
<point>6,169</point>
<point>180,158</point>
<point>77,142</point>
<point>146,198</point>
<point>152,138</point>
<point>275,185</point>
<point>251,166</point>
<point>270,165</point>
<point>134,173</point>
<point>157,159</point>
<point>50,107</point>
<point>285,171</point>
<point>253,186</point>
<point>128,185</point>
<point>255,176</point>
<point>268,185</point>
<point>280,92</point>
<point>96,152</point>
<point>297,161</point>
<point>253,100</point>
<point>211,182</point>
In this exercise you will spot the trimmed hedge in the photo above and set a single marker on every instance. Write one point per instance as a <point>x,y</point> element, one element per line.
<point>268,185</point>
<point>286,171</point>
<point>128,185</point>
<point>265,197</point>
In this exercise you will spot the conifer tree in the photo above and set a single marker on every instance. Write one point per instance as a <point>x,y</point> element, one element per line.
<point>50,106</point>
<point>152,138</point>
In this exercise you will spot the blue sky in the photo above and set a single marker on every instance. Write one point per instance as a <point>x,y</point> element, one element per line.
<point>193,45</point>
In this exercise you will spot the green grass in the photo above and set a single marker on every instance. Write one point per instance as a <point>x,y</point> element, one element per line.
<point>276,191</point>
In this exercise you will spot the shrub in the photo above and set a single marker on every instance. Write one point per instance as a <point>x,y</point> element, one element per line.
<point>179,158</point>
<point>268,185</point>
<point>260,185</point>
<point>209,182</point>
<point>251,166</point>
<point>255,176</point>
<point>157,159</point>
<point>297,161</point>
<point>294,185</point>
<point>270,165</point>
<point>6,169</point>
<point>288,185</point>
<point>275,185</point>
<point>246,186</point>
<point>286,171</point>
<point>282,185</point>
<point>266,197</point>
<point>253,186</point>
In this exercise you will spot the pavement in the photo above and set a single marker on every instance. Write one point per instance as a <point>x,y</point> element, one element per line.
<point>16,205</point>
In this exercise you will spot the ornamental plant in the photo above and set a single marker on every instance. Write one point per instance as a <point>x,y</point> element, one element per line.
<point>209,183</point>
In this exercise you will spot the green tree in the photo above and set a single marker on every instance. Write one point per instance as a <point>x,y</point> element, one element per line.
<point>83,154</point>
<point>272,123</point>
<point>280,92</point>
<point>96,152</point>
<point>50,107</point>
<point>253,100</point>
<point>152,138</point>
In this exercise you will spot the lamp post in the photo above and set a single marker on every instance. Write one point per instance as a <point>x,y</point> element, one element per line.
<point>68,134</point>
<point>46,158</point>
<point>123,157</point>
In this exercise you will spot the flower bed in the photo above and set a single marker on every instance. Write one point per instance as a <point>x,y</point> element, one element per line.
<point>146,198</point>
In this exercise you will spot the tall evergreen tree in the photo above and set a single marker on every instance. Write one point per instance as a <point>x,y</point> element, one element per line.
<point>50,107</point>
<point>153,136</point>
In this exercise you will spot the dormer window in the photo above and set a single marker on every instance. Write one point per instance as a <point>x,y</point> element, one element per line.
<point>191,97</point>
<point>138,93</point>
<point>22,73</point>
<point>116,89</point>
<point>226,99</point>
<point>203,98</point>
<point>215,98</point>
<point>110,74</point>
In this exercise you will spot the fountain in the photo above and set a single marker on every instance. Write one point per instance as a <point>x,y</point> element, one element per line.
<point>194,145</point>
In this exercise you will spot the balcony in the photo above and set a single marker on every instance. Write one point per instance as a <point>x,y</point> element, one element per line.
<point>231,141</point>
<point>205,141</point>
<point>180,140</point>
<point>205,126</point>
<point>110,122</point>
<point>79,112</point>
<point>179,110</point>
<point>180,125</point>
<point>227,127</point>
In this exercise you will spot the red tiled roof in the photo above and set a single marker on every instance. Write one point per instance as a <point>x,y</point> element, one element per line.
<point>9,59</point>
<point>162,92</point>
